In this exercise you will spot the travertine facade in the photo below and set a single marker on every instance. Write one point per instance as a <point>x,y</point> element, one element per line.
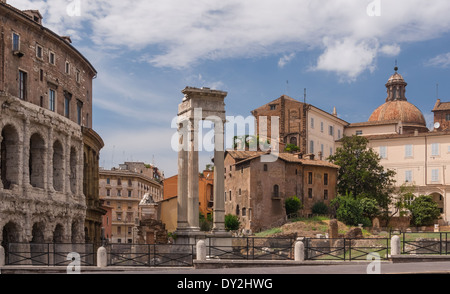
<point>45,124</point>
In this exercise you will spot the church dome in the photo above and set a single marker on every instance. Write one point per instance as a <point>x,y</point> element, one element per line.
<point>397,107</point>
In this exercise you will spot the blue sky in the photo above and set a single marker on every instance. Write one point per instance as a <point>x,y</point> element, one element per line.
<point>147,51</point>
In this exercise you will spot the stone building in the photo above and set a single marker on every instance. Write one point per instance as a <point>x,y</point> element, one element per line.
<point>46,134</point>
<point>123,190</point>
<point>420,157</point>
<point>310,128</point>
<point>255,191</point>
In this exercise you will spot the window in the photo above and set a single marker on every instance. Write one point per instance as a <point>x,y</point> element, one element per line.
<point>119,217</point>
<point>311,147</point>
<point>435,149</point>
<point>16,42</point>
<point>265,167</point>
<point>119,182</point>
<point>129,183</point>
<point>52,100</point>
<point>240,192</point>
<point>435,175</point>
<point>22,85</point>
<point>273,107</point>
<point>359,133</point>
<point>79,111</point>
<point>325,195</point>
<point>39,52</point>
<point>331,131</point>
<point>129,193</point>
<point>230,195</point>
<point>78,76</point>
<point>237,210</point>
<point>312,122</point>
<point>41,75</point>
<point>409,199</point>
<point>325,179</point>
<point>276,191</point>
<point>119,193</point>
<point>447,117</point>
<point>310,193</point>
<point>41,101</point>
<point>339,134</point>
<point>383,152</point>
<point>408,176</point>
<point>408,150</point>
<point>321,127</point>
<point>67,98</point>
<point>108,192</point>
<point>51,58</point>
<point>67,67</point>
<point>310,178</point>
<point>108,181</point>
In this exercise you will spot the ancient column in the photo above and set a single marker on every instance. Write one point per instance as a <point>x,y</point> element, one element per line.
<point>1,181</point>
<point>219,181</point>
<point>182,222</point>
<point>193,177</point>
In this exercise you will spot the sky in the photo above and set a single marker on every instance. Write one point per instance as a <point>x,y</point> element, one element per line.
<point>341,51</point>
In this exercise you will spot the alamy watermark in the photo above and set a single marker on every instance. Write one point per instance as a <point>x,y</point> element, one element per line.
<point>374,8</point>
<point>75,266</point>
<point>74,8</point>
<point>213,134</point>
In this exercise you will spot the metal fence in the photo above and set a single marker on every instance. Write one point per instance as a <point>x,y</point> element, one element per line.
<point>344,249</point>
<point>425,243</point>
<point>39,254</point>
<point>150,255</point>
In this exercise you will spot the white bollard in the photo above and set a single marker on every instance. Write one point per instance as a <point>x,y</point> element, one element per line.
<point>201,250</point>
<point>395,246</point>
<point>2,256</point>
<point>102,257</point>
<point>299,251</point>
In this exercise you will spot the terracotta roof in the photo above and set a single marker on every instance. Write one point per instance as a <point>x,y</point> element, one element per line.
<point>399,110</point>
<point>441,106</point>
<point>288,157</point>
<point>409,135</point>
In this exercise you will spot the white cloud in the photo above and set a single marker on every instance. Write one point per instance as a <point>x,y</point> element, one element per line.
<point>179,33</point>
<point>285,60</point>
<point>348,58</point>
<point>442,60</point>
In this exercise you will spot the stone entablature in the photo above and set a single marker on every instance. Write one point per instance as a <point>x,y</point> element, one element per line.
<point>41,196</point>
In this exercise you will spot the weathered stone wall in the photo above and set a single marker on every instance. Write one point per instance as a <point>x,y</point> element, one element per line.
<point>33,205</point>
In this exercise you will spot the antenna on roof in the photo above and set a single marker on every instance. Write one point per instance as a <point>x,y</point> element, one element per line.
<point>437,91</point>
<point>304,96</point>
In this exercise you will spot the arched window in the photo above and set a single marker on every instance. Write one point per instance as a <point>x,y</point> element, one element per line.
<point>237,210</point>
<point>58,166</point>
<point>9,157</point>
<point>73,170</point>
<point>276,191</point>
<point>36,161</point>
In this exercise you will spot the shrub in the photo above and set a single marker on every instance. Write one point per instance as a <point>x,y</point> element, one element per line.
<point>320,208</point>
<point>424,211</point>
<point>232,222</point>
<point>293,205</point>
<point>350,211</point>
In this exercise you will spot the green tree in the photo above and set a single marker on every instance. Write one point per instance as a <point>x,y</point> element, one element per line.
<point>291,148</point>
<point>361,174</point>
<point>424,211</point>
<point>292,205</point>
<point>232,222</point>
<point>350,211</point>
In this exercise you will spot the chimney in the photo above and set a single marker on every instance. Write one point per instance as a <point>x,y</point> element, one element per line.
<point>320,155</point>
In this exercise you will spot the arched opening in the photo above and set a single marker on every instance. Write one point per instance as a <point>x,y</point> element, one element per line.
<point>58,166</point>
<point>9,157</point>
<point>58,234</point>
<point>75,232</point>
<point>439,199</point>
<point>10,235</point>
<point>293,141</point>
<point>38,249</point>
<point>37,161</point>
<point>276,191</point>
<point>86,235</point>
<point>73,170</point>
<point>85,174</point>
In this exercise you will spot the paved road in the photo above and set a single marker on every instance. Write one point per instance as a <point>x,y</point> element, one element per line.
<point>357,269</point>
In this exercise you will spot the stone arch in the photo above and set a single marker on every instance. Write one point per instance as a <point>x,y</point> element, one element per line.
<point>58,234</point>
<point>439,199</point>
<point>37,160</point>
<point>38,233</point>
<point>73,162</point>
<point>10,234</point>
<point>58,166</point>
<point>76,236</point>
<point>9,156</point>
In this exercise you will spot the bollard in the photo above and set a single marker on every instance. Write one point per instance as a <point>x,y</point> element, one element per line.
<point>395,246</point>
<point>102,257</point>
<point>299,251</point>
<point>2,256</point>
<point>201,250</point>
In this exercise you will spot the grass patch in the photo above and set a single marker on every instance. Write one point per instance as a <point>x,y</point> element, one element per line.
<point>269,232</point>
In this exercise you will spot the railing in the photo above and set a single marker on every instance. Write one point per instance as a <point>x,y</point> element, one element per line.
<point>251,248</point>
<point>425,243</point>
<point>150,255</point>
<point>56,254</point>
<point>344,249</point>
